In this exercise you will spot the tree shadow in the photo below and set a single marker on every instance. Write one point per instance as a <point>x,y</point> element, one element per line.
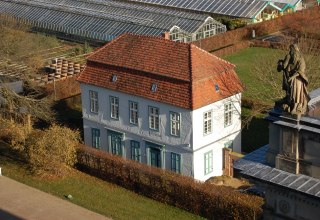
<point>255,135</point>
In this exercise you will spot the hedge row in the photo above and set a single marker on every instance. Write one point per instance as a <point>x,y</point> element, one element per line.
<point>212,202</point>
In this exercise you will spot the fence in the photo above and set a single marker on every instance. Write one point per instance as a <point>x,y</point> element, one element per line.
<point>213,202</point>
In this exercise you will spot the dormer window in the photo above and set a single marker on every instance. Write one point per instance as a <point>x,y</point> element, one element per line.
<point>114,78</point>
<point>154,87</point>
<point>217,87</point>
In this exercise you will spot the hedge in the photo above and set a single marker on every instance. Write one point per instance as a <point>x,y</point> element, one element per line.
<point>204,199</point>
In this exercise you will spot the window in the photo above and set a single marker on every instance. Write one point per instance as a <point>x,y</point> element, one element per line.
<point>135,151</point>
<point>208,163</point>
<point>153,118</point>
<point>227,114</point>
<point>133,112</point>
<point>93,101</point>
<point>175,123</point>
<point>114,105</point>
<point>154,87</point>
<point>115,142</point>
<point>95,137</point>
<point>207,121</point>
<point>176,162</point>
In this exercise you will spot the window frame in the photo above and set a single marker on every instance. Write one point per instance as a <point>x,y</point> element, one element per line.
<point>154,118</point>
<point>208,162</point>
<point>114,106</point>
<point>176,121</point>
<point>95,133</point>
<point>227,115</point>
<point>176,160</point>
<point>131,110</point>
<point>93,99</point>
<point>135,145</point>
<point>207,123</point>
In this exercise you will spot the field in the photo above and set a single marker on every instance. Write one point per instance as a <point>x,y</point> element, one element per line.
<point>91,193</point>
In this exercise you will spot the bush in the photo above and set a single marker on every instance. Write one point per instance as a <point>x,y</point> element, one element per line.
<point>212,202</point>
<point>52,150</point>
<point>13,133</point>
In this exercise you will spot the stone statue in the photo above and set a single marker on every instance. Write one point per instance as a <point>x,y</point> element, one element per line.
<point>294,82</point>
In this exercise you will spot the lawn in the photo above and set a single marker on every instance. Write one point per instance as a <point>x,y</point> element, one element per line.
<point>91,193</point>
<point>256,133</point>
<point>247,60</point>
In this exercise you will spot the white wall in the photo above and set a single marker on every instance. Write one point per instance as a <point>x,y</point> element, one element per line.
<point>141,133</point>
<point>189,141</point>
<point>216,140</point>
<point>219,131</point>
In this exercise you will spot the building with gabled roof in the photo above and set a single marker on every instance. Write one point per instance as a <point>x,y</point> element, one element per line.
<point>168,104</point>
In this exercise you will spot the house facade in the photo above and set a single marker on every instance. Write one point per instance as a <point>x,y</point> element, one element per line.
<point>167,104</point>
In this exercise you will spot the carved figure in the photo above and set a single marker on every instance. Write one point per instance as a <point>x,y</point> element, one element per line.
<point>294,81</point>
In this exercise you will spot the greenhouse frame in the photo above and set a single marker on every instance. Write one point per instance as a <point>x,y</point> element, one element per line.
<point>249,9</point>
<point>107,19</point>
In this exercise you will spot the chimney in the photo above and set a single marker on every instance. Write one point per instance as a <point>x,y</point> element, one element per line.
<point>166,35</point>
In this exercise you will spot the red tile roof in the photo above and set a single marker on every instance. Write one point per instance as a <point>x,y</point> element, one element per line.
<point>185,74</point>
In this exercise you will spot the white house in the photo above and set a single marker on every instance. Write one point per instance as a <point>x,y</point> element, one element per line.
<point>167,104</point>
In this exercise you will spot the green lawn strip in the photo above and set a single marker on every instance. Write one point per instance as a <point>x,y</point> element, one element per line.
<point>94,194</point>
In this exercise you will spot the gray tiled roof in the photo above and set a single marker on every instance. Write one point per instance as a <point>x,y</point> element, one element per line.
<point>254,165</point>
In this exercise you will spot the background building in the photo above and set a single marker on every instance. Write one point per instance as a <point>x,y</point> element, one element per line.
<point>105,20</point>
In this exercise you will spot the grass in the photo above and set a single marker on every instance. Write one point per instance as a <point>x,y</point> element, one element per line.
<point>245,61</point>
<point>91,193</point>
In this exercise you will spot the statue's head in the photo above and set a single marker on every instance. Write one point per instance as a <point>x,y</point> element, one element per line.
<point>294,52</point>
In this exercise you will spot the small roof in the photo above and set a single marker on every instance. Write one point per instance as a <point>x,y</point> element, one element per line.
<point>186,76</point>
<point>254,165</point>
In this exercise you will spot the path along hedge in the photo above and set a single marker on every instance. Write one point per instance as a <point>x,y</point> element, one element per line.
<point>212,202</point>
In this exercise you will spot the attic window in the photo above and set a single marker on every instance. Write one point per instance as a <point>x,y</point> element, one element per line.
<point>154,87</point>
<point>114,78</point>
<point>217,87</point>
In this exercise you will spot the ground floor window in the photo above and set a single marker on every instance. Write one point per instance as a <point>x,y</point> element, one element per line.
<point>115,142</point>
<point>176,162</point>
<point>95,137</point>
<point>135,150</point>
<point>208,163</point>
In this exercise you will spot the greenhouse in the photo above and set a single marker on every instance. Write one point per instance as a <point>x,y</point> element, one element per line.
<point>104,20</point>
<point>249,9</point>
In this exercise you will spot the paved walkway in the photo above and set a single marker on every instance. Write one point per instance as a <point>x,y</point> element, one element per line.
<point>19,201</point>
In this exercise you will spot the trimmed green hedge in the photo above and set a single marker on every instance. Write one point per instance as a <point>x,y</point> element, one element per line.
<point>212,202</point>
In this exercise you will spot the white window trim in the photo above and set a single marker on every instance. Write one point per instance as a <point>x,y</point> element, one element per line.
<point>208,162</point>
<point>155,118</point>
<point>207,122</point>
<point>114,107</point>
<point>227,114</point>
<point>133,112</point>
<point>176,122</point>
<point>93,96</point>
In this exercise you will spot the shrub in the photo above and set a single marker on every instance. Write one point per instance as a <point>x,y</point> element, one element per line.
<point>52,150</point>
<point>212,202</point>
<point>13,133</point>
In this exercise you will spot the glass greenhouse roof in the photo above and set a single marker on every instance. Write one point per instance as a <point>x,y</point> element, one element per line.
<point>101,19</point>
<point>235,8</point>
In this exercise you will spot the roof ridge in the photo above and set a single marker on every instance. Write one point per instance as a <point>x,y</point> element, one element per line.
<point>216,57</point>
<point>107,44</point>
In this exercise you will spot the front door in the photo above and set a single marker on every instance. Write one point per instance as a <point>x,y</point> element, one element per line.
<point>155,157</point>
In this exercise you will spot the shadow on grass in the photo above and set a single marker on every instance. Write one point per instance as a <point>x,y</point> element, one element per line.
<point>255,135</point>
<point>11,156</point>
